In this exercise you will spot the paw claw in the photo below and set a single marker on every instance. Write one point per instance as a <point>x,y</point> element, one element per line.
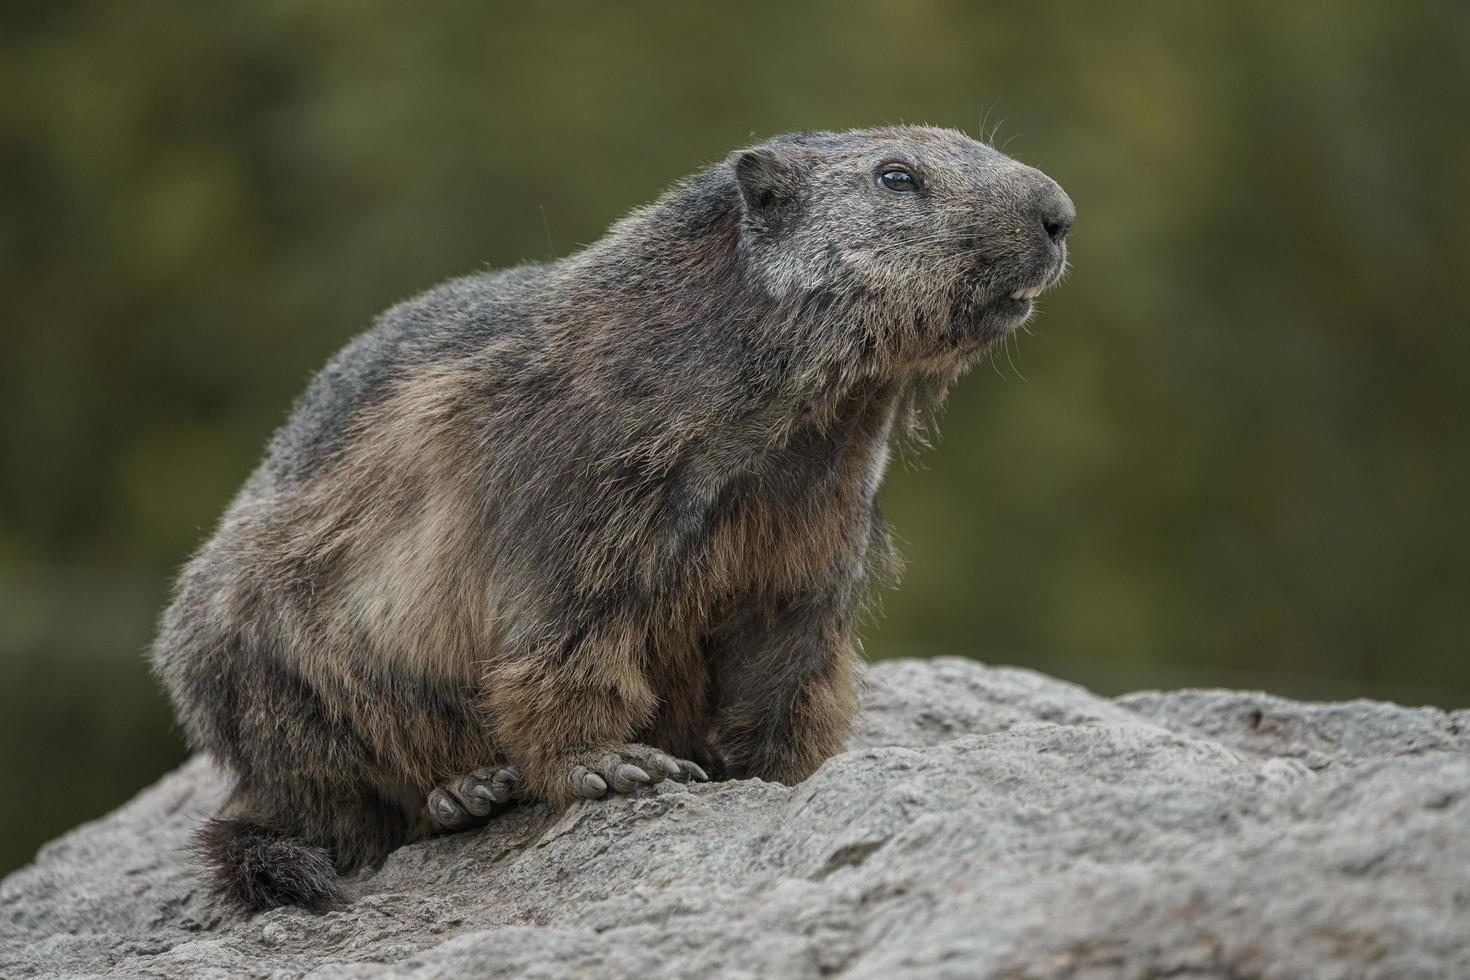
<point>503,784</point>
<point>628,777</point>
<point>481,791</point>
<point>446,811</point>
<point>587,784</point>
<point>692,771</point>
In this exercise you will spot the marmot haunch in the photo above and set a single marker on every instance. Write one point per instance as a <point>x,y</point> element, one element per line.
<point>579,526</point>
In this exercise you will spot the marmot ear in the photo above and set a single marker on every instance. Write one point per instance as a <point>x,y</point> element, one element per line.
<point>770,185</point>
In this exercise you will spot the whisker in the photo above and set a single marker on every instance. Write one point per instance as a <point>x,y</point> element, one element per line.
<point>994,364</point>
<point>991,139</point>
<point>1018,354</point>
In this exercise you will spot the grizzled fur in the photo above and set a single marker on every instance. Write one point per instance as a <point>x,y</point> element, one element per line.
<point>535,516</point>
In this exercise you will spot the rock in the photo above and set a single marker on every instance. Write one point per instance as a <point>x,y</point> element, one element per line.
<point>987,822</point>
<point>1318,734</point>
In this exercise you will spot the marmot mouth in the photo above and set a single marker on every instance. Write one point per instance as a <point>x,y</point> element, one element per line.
<point>991,313</point>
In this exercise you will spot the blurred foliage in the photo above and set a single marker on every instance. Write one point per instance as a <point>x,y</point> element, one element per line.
<point>1239,458</point>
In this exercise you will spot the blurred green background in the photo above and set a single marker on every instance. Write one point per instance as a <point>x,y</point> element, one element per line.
<point>1233,452</point>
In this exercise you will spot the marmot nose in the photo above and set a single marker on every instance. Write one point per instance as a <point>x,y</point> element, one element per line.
<point>1056,211</point>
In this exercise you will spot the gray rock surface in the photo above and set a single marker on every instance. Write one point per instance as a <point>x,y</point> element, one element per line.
<point>988,822</point>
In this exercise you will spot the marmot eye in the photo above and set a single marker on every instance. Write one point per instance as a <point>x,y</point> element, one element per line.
<point>899,180</point>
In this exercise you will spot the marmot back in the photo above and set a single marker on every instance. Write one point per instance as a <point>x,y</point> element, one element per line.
<point>578,527</point>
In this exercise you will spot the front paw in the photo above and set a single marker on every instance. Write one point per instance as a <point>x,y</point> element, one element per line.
<point>469,799</point>
<point>623,768</point>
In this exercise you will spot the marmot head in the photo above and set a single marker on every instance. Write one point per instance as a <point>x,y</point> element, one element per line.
<point>926,241</point>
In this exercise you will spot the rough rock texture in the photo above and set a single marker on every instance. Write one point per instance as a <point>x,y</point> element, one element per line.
<point>987,823</point>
